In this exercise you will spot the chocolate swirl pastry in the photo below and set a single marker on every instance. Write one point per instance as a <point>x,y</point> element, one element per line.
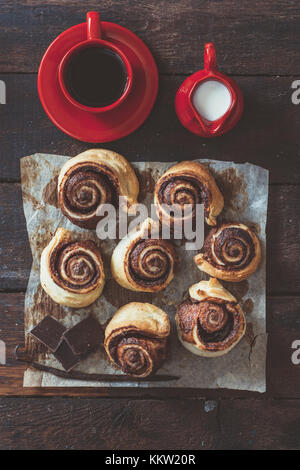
<point>72,271</point>
<point>210,323</point>
<point>187,183</point>
<point>136,338</point>
<point>144,264</point>
<point>93,178</point>
<point>230,252</point>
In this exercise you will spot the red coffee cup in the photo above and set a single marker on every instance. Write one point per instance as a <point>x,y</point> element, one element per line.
<point>187,112</point>
<point>94,39</point>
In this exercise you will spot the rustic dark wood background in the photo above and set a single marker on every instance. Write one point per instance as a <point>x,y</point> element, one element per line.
<point>258,43</point>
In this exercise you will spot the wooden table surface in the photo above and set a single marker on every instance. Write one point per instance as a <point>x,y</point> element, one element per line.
<point>258,43</point>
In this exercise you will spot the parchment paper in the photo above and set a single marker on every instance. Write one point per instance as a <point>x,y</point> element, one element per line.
<point>245,189</point>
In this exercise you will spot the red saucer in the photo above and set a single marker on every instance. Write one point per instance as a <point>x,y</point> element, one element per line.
<point>116,123</point>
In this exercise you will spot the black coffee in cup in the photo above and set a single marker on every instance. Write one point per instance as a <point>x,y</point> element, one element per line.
<point>96,76</point>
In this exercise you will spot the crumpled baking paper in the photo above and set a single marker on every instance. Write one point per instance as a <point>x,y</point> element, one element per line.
<point>245,190</point>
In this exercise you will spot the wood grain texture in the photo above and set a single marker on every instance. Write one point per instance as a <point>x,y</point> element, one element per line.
<point>57,423</point>
<point>284,314</point>
<point>260,38</point>
<point>259,424</point>
<point>14,242</point>
<point>106,424</point>
<point>282,238</point>
<point>284,380</point>
<point>283,257</point>
<point>264,136</point>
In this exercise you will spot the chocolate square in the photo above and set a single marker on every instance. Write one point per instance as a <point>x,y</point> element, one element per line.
<point>66,357</point>
<point>85,336</point>
<point>49,332</point>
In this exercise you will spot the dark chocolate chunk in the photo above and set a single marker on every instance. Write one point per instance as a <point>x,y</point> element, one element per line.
<point>85,336</point>
<point>66,357</point>
<point>49,332</point>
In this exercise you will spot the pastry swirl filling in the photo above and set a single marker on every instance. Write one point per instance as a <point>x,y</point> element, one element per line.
<point>86,187</point>
<point>229,248</point>
<point>75,266</point>
<point>182,191</point>
<point>136,354</point>
<point>151,261</point>
<point>214,323</point>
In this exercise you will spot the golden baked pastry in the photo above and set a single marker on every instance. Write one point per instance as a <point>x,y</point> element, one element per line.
<point>211,322</point>
<point>92,178</point>
<point>144,264</point>
<point>191,183</point>
<point>72,271</point>
<point>136,338</point>
<point>230,252</point>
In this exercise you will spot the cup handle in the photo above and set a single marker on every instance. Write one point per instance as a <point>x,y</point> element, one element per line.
<point>93,25</point>
<point>210,58</point>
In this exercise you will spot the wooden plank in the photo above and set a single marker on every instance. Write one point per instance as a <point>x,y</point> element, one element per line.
<point>15,254</point>
<point>264,136</point>
<point>284,381</point>
<point>283,314</point>
<point>259,424</point>
<point>59,423</point>
<point>251,37</point>
<point>106,424</point>
<point>283,377</point>
<point>283,240</point>
<point>283,254</point>
<point>284,323</point>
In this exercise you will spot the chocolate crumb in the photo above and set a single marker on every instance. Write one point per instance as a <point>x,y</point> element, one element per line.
<point>247,306</point>
<point>49,195</point>
<point>249,335</point>
<point>238,289</point>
